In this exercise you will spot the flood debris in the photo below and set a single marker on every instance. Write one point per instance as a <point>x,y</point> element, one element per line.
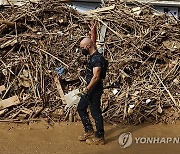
<point>38,39</point>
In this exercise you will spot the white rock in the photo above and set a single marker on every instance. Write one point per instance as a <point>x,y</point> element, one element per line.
<point>115,91</point>
<point>148,101</point>
<point>131,106</point>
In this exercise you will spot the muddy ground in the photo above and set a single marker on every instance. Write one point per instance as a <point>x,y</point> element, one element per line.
<point>62,138</point>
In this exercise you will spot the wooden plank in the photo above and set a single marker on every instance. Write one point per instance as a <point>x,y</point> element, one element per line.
<point>10,42</point>
<point>3,111</point>
<point>9,102</point>
<point>102,36</point>
<point>27,111</point>
<point>103,33</point>
<point>38,111</point>
<point>99,10</point>
<point>59,89</point>
<point>2,88</point>
<point>8,23</point>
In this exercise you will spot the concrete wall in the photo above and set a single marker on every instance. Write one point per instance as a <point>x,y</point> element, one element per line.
<point>85,6</point>
<point>168,10</point>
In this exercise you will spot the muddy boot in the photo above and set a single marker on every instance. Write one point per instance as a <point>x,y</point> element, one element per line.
<point>86,136</point>
<point>96,141</point>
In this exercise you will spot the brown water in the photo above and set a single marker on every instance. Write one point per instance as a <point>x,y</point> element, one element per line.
<point>62,138</point>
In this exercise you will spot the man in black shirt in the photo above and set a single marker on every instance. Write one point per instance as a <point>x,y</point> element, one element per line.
<point>92,95</point>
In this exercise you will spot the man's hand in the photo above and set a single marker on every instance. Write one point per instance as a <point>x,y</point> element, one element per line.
<point>93,32</point>
<point>83,92</point>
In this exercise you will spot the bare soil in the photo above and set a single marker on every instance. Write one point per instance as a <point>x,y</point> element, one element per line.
<point>62,138</point>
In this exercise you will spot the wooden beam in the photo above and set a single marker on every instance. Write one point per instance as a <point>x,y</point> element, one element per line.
<point>102,36</point>
<point>59,89</point>
<point>99,10</point>
<point>103,33</point>
<point>3,111</point>
<point>8,23</point>
<point>10,42</point>
<point>9,102</point>
<point>2,88</point>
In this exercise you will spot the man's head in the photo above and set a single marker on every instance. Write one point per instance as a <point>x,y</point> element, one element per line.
<point>87,46</point>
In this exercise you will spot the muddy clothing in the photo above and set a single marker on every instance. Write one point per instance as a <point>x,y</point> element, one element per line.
<point>92,99</point>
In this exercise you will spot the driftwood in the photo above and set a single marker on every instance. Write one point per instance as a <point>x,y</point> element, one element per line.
<point>9,102</point>
<point>142,83</point>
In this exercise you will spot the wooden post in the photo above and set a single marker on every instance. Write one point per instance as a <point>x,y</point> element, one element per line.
<point>59,89</point>
<point>2,88</point>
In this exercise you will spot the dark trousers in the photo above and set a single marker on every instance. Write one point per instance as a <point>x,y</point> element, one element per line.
<point>93,101</point>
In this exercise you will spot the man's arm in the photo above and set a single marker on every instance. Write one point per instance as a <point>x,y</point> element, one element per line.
<point>93,32</point>
<point>95,78</point>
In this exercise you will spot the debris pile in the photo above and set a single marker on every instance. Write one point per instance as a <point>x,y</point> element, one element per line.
<point>39,39</point>
<point>144,53</point>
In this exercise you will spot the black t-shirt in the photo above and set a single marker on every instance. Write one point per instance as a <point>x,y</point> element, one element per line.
<point>94,61</point>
